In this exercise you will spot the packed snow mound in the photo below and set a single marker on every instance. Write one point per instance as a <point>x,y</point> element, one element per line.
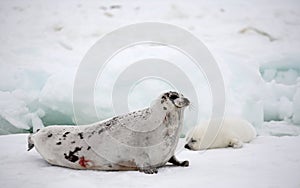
<point>42,45</point>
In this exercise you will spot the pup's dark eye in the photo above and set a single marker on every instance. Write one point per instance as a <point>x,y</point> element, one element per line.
<point>173,97</point>
<point>193,140</point>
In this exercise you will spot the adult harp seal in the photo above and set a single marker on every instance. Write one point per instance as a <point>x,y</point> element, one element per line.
<point>142,140</point>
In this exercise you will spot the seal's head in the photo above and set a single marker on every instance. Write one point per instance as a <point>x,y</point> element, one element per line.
<point>173,100</point>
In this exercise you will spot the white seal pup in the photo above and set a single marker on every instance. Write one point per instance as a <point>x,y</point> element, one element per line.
<point>142,140</point>
<point>233,133</point>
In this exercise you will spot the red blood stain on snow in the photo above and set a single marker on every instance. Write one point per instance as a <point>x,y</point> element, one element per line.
<point>83,162</point>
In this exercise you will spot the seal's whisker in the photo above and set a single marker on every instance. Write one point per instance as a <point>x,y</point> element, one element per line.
<point>192,107</point>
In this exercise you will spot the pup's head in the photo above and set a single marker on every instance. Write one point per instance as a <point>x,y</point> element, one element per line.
<point>194,139</point>
<point>172,100</point>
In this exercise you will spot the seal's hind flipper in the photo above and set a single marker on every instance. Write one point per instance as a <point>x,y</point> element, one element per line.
<point>174,161</point>
<point>30,146</point>
<point>30,143</point>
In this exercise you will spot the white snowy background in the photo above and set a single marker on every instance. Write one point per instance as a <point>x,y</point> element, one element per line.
<point>255,43</point>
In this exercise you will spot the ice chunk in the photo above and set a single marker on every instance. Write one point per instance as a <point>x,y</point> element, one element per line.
<point>283,71</point>
<point>285,108</point>
<point>296,107</point>
<point>244,89</point>
<point>14,121</point>
<point>288,77</point>
<point>289,62</point>
<point>279,128</point>
<point>253,111</point>
<point>15,116</point>
<point>275,91</point>
<point>36,121</point>
<point>269,74</point>
<point>56,98</point>
<point>278,110</point>
<point>281,97</point>
<point>26,78</point>
<point>13,110</point>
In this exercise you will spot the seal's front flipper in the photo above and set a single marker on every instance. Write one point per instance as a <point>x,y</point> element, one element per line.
<point>144,165</point>
<point>235,143</point>
<point>174,161</point>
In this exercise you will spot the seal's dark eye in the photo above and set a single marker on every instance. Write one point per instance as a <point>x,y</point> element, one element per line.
<point>173,97</point>
<point>193,140</point>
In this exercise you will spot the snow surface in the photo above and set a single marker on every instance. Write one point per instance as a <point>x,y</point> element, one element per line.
<point>268,161</point>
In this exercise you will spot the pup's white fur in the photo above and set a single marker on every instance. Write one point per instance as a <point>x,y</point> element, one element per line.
<point>233,133</point>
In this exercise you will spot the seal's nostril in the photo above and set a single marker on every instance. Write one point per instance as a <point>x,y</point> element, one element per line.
<point>187,146</point>
<point>186,101</point>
